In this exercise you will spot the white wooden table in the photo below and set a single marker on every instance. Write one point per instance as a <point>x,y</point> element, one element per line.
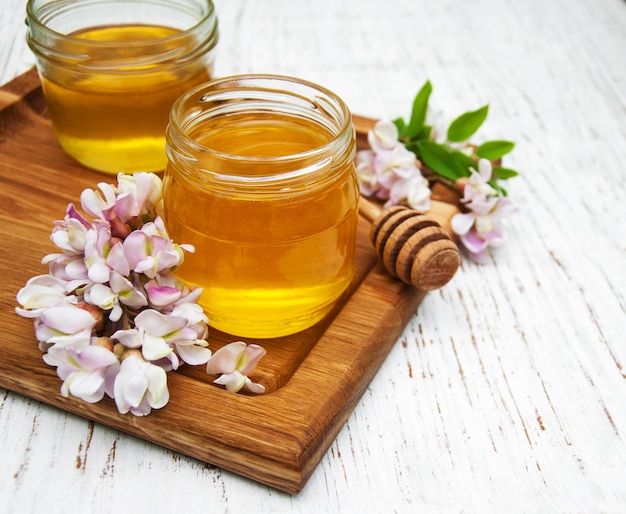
<point>507,391</point>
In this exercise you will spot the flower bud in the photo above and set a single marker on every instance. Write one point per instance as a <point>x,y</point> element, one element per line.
<point>95,312</point>
<point>104,342</point>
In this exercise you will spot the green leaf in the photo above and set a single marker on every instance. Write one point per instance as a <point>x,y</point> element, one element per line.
<point>467,124</point>
<point>401,126</point>
<point>504,173</point>
<point>418,114</point>
<point>438,158</point>
<point>414,146</point>
<point>464,163</point>
<point>424,133</point>
<point>493,150</point>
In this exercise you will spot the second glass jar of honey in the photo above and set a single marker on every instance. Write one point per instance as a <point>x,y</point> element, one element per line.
<point>111,70</point>
<point>261,180</point>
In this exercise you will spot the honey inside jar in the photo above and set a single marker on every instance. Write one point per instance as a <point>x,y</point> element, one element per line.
<point>111,71</point>
<point>115,120</point>
<point>272,258</point>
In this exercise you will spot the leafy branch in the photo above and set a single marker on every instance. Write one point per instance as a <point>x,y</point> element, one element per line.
<point>453,158</point>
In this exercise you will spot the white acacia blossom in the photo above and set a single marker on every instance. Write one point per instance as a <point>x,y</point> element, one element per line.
<point>110,315</point>
<point>389,171</point>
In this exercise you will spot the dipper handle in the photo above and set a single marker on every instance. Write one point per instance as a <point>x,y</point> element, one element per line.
<point>414,247</point>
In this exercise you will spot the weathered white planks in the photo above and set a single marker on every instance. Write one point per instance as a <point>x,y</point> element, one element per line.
<point>507,392</point>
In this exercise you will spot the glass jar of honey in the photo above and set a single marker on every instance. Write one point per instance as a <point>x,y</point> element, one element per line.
<point>261,180</point>
<point>111,70</point>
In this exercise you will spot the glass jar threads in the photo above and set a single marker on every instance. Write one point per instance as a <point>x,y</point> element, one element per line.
<point>261,180</point>
<point>111,70</point>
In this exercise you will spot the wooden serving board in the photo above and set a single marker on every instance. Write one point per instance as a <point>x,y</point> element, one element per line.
<point>314,379</point>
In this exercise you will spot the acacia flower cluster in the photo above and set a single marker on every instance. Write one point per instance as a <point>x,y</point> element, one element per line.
<point>388,171</point>
<point>406,157</point>
<point>482,225</point>
<point>110,314</point>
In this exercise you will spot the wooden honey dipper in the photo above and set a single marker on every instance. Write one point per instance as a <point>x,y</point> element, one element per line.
<point>414,247</point>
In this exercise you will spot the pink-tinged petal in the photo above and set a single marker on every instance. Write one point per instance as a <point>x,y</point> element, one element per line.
<point>191,297</point>
<point>95,357</point>
<point>101,295</point>
<point>233,382</point>
<point>67,319</point>
<point>88,386</point>
<point>365,157</point>
<point>169,258</point>
<point>384,135</point>
<point>61,358</point>
<point>135,388</point>
<point>99,204</point>
<point>39,297</point>
<point>126,291</point>
<point>131,338</point>
<point>124,207</point>
<point>76,269</point>
<point>78,340</point>
<point>48,281</point>
<point>194,353</point>
<point>403,161</point>
<point>187,333</point>
<point>253,354</point>
<point>484,168</point>
<point>160,243</point>
<point>147,266</point>
<point>135,248</point>
<point>418,196</point>
<point>141,410</point>
<point>98,272</point>
<point>145,189</point>
<point>154,191</point>
<point>154,348</point>
<point>158,324</point>
<point>505,206</point>
<point>161,295</point>
<point>92,202</point>
<point>159,225</point>
<point>110,374</point>
<point>116,313</point>
<point>133,298</point>
<point>192,312</point>
<point>139,386</point>
<point>473,242</point>
<point>119,283</point>
<point>116,260</point>
<point>461,223</point>
<point>253,387</point>
<point>157,386</point>
<point>70,237</point>
<point>482,206</point>
<point>399,191</point>
<point>484,225</point>
<point>383,162</point>
<point>226,359</point>
<point>72,213</point>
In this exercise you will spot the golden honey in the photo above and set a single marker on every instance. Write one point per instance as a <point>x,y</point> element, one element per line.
<point>109,88</point>
<point>267,194</point>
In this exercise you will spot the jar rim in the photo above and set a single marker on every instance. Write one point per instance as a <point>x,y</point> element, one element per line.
<point>33,17</point>
<point>176,114</point>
